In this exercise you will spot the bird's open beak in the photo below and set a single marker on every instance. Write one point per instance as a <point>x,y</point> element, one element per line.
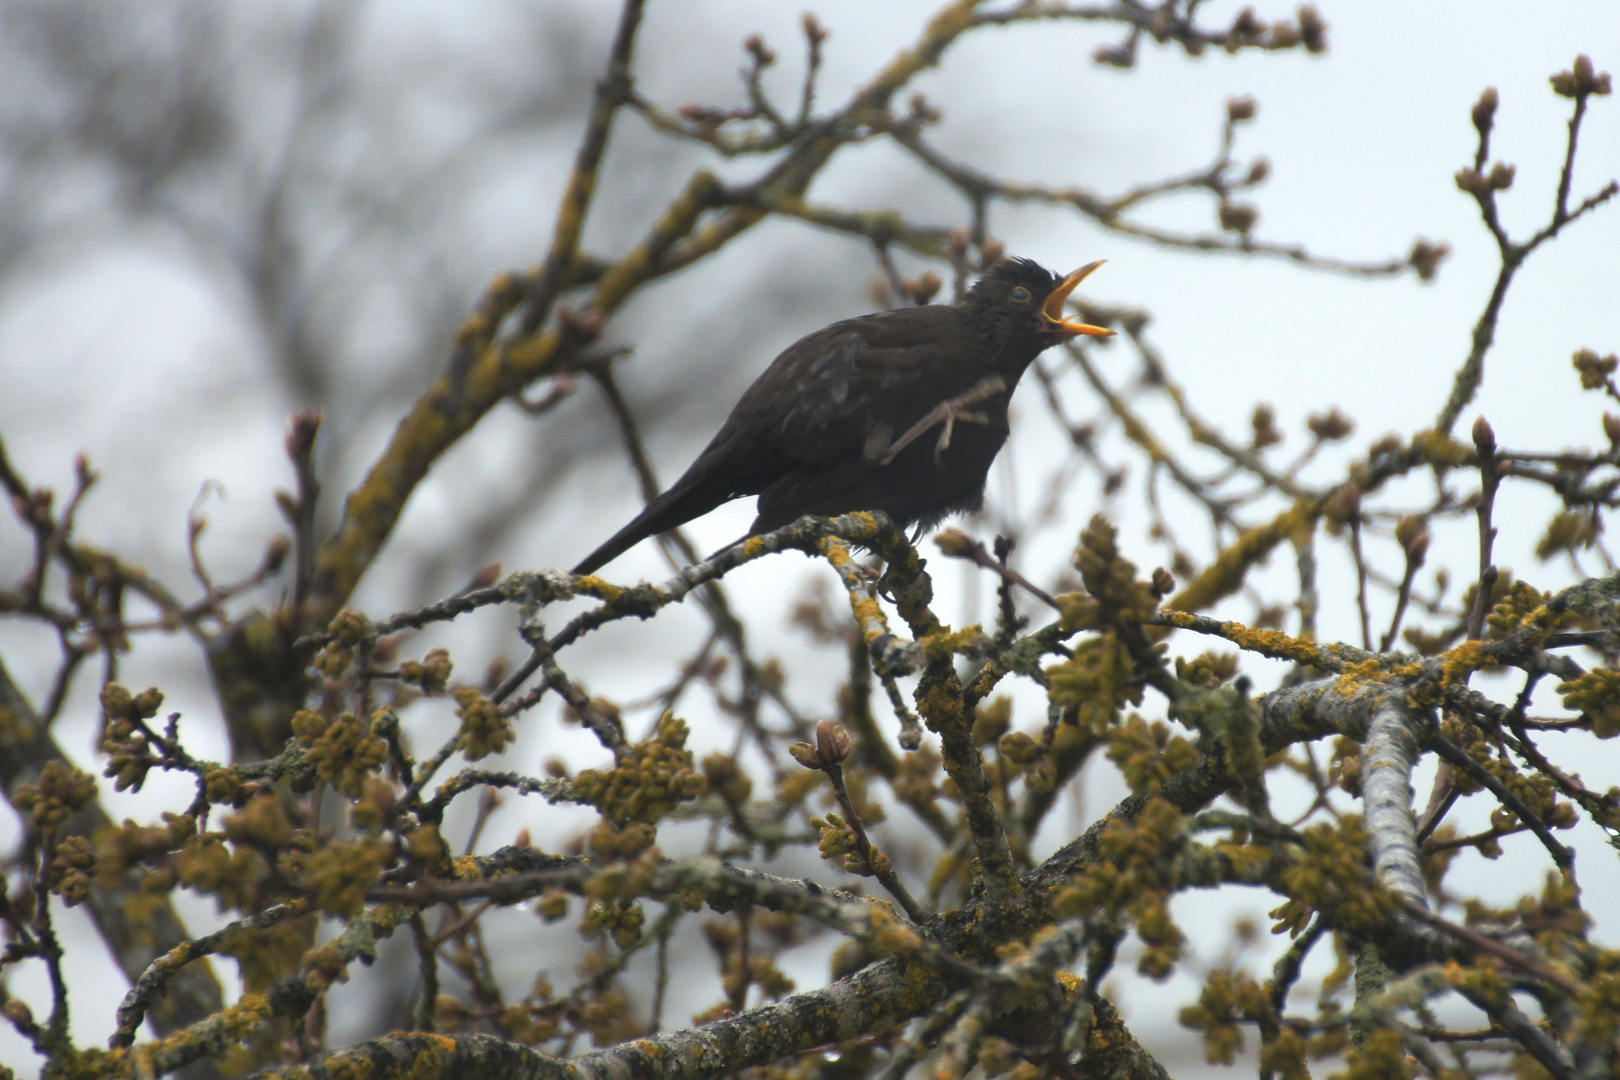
<point>1053,308</point>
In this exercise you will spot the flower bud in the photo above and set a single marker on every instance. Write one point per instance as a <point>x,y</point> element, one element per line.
<point>1595,370</point>
<point>1581,80</point>
<point>148,702</point>
<point>116,701</point>
<point>1484,437</point>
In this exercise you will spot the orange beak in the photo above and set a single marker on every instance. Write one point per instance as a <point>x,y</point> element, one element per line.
<point>1053,308</point>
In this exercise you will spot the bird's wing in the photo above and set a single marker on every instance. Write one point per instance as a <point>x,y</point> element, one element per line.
<point>837,394</point>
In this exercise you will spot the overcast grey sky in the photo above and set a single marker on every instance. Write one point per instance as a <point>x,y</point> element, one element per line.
<point>124,343</point>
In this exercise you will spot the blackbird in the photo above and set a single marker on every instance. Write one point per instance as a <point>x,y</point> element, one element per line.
<point>902,411</point>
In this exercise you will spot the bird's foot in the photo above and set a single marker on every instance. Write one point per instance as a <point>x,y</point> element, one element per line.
<point>947,412</point>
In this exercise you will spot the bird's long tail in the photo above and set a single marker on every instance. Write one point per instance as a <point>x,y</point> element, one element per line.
<point>689,498</point>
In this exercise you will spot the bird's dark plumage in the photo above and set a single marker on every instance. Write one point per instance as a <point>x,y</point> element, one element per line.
<point>902,411</point>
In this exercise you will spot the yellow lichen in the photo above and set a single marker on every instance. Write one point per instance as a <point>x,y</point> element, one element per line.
<point>603,590</point>
<point>1225,575</point>
<point>1355,677</point>
<point>1463,661</point>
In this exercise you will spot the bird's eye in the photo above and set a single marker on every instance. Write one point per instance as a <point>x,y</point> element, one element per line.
<point>1021,294</point>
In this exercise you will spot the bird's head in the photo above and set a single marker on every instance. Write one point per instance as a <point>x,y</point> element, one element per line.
<point>1020,299</point>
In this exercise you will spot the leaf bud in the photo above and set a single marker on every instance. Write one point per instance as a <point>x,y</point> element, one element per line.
<point>1611,428</point>
<point>924,111</point>
<point>1473,182</point>
<point>1239,109</point>
<point>1247,26</point>
<point>1484,437</point>
<point>1344,505</point>
<point>1264,425</point>
<point>1389,444</point>
<point>925,288</point>
<point>38,509</point>
<point>485,577</point>
<point>992,252</point>
<point>1312,29</point>
<point>1330,426</point>
<point>584,327</point>
<point>763,55</point>
<point>1426,257</point>
<point>1238,217</point>
<point>833,743</point>
<point>301,434</point>
<point>287,505</point>
<point>1120,56</point>
<point>275,553</point>
<point>1485,110</point>
<point>1412,533</point>
<point>805,755</point>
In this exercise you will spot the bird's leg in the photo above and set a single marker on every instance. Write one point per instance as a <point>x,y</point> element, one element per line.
<point>947,412</point>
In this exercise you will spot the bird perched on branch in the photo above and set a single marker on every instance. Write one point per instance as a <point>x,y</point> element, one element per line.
<point>902,411</point>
